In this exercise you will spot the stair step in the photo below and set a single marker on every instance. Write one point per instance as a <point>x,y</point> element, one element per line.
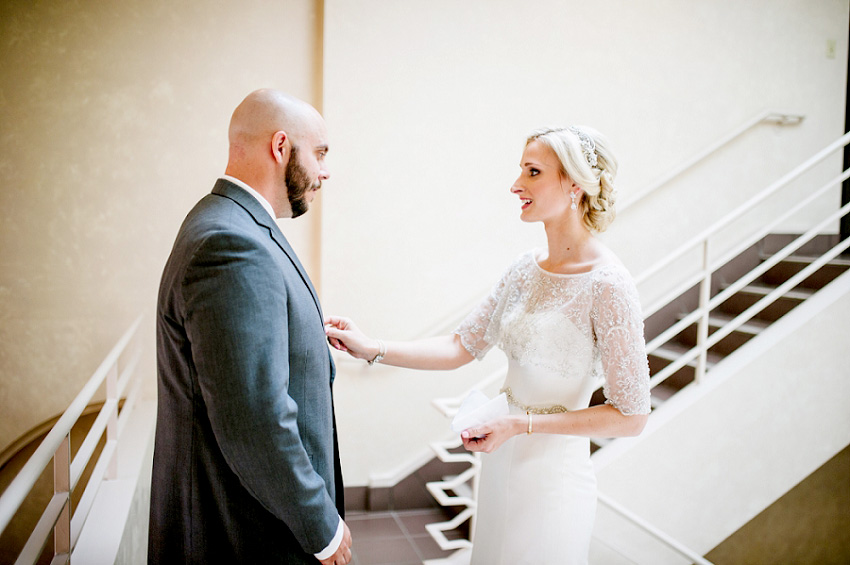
<point>717,321</point>
<point>752,326</point>
<point>751,294</point>
<point>734,305</point>
<point>790,266</point>
<point>660,394</point>
<point>764,290</point>
<point>671,352</point>
<point>806,260</point>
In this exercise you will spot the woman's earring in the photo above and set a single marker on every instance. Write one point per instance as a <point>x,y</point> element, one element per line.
<point>573,206</point>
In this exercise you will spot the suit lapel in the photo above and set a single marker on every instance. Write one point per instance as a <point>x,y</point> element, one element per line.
<point>252,206</point>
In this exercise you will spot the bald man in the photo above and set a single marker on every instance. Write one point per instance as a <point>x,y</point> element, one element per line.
<point>246,466</point>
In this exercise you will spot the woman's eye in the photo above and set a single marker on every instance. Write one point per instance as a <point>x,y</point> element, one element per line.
<point>533,172</point>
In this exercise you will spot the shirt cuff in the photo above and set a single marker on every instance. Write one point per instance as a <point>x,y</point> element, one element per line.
<point>334,545</point>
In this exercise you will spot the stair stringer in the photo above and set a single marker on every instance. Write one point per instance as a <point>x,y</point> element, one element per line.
<point>716,454</point>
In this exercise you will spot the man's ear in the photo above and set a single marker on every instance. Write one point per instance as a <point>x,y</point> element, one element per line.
<point>280,146</point>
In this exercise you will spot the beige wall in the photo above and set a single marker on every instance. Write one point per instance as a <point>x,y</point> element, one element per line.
<point>113,122</point>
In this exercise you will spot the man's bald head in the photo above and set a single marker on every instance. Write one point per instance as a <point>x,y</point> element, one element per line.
<point>266,111</point>
<point>268,132</point>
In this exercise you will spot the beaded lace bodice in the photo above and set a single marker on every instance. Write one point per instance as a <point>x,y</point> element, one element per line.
<point>583,326</point>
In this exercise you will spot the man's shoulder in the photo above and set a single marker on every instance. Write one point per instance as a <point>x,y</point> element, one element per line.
<point>216,213</point>
<point>217,225</point>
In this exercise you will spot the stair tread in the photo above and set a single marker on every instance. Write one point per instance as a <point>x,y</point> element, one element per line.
<point>752,326</point>
<point>764,290</point>
<point>807,259</point>
<point>671,352</point>
<point>718,320</point>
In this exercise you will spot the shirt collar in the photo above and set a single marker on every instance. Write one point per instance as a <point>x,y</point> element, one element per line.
<point>252,192</point>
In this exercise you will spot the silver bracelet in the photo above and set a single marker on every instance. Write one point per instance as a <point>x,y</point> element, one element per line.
<point>382,350</point>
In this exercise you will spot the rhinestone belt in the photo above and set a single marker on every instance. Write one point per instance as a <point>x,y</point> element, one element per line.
<point>556,409</point>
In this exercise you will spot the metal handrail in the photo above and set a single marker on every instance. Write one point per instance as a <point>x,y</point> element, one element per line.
<point>705,342</point>
<point>56,446</point>
<point>773,116</point>
<point>704,277</point>
<point>653,531</point>
<point>744,208</point>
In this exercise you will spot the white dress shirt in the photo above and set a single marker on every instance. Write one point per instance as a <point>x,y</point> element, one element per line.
<point>252,192</point>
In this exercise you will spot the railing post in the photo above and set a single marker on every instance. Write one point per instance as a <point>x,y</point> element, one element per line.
<point>62,486</point>
<point>475,478</point>
<point>702,325</point>
<point>112,422</point>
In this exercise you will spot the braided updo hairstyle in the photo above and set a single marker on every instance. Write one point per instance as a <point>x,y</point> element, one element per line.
<point>586,159</point>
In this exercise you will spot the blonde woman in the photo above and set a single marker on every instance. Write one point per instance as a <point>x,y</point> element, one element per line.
<point>568,317</point>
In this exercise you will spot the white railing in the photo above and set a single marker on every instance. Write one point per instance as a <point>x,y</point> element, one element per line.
<point>448,406</point>
<point>118,370</point>
<point>766,116</point>
<point>464,495</point>
<point>661,536</point>
<point>704,276</point>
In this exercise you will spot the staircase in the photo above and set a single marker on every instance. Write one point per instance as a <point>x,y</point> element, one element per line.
<point>671,350</point>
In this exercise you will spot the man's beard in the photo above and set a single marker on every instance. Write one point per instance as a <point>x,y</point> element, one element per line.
<point>297,184</point>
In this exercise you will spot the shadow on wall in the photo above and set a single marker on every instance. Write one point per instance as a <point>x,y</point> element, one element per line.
<point>810,525</point>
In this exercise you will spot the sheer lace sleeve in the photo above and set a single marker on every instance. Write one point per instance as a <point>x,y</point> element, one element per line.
<point>618,327</point>
<point>479,331</point>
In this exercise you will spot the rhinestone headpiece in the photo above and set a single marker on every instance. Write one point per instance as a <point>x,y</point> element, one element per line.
<point>588,147</point>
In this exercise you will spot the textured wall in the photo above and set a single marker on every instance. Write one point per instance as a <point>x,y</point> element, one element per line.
<point>113,122</point>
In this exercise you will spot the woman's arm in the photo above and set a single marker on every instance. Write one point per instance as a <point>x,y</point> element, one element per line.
<point>596,421</point>
<point>434,353</point>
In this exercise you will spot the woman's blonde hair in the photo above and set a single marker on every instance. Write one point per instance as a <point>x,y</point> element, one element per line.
<point>586,159</point>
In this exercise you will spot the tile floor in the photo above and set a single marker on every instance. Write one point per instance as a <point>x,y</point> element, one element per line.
<point>394,537</point>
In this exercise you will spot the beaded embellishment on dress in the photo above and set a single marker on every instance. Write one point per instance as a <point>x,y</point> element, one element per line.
<point>556,409</point>
<point>582,326</point>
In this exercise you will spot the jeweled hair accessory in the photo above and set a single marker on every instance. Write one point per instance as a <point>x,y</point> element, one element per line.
<point>588,146</point>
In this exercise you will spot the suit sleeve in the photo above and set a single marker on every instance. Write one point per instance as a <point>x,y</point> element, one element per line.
<point>236,319</point>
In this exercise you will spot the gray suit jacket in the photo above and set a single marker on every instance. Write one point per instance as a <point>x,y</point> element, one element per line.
<point>246,468</point>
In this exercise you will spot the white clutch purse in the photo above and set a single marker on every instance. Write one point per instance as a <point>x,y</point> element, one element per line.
<point>477,409</point>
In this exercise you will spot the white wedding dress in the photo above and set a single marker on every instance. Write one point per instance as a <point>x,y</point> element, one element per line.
<point>564,335</point>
